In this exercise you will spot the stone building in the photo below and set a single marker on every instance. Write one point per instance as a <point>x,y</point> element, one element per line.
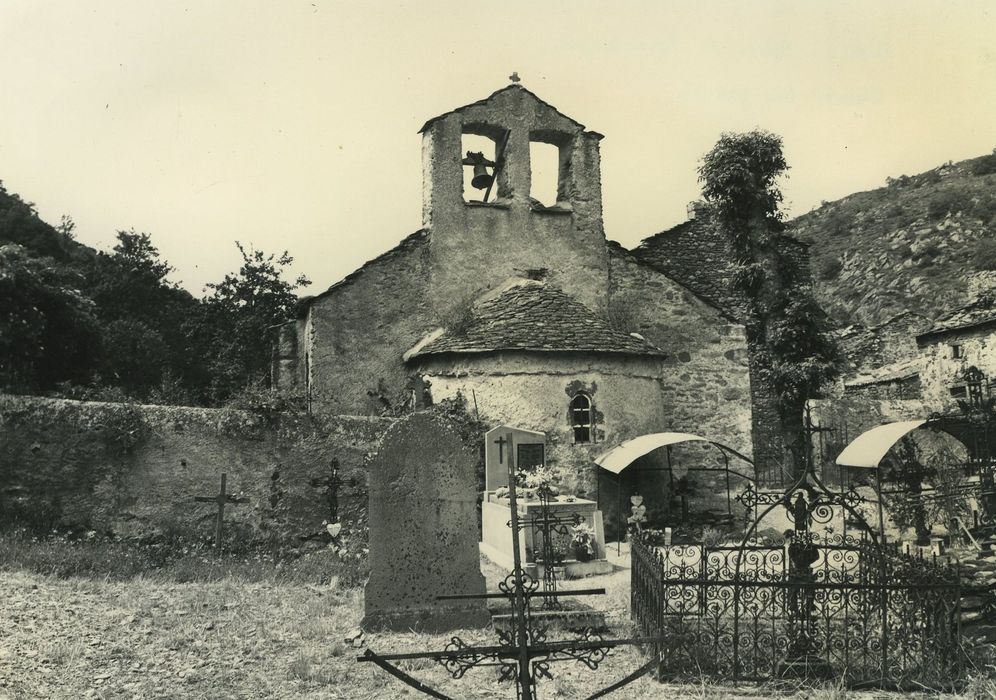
<point>912,359</point>
<point>525,309</point>
<point>962,339</point>
<point>697,255</point>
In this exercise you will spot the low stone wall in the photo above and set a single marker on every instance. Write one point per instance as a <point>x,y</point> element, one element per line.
<point>134,470</point>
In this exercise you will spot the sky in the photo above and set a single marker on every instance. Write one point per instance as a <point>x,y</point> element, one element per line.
<point>292,125</point>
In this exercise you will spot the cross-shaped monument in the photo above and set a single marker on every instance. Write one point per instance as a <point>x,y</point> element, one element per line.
<point>331,485</point>
<point>221,499</point>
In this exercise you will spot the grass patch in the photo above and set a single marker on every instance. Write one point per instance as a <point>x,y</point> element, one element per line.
<point>66,555</point>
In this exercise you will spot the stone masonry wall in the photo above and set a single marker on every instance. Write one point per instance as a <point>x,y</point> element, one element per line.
<point>941,370</point>
<point>134,470</point>
<point>361,327</point>
<point>533,391</point>
<point>888,343</point>
<point>696,255</point>
<point>705,385</point>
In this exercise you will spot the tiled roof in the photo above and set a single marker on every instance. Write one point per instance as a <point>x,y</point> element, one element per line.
<point>533,316</point>
<point>979,312</point>
<point>897,371</point>
<point>409,242</point>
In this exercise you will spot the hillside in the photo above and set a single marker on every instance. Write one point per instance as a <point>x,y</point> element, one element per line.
<point>907,246</point>
<point>20,224</point>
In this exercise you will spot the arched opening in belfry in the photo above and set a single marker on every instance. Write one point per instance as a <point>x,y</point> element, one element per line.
<point>481,153</point>
<point>544,168</point>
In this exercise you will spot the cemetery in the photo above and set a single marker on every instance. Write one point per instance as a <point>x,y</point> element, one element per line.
<point>511,580</point>
<point>508,457</point>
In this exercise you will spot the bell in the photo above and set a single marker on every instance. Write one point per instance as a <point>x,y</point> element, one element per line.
<point>482,179</point>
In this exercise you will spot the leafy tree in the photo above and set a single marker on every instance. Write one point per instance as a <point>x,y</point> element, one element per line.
<point>240,314</point>
<point>145,320</point>
<point>786,328</point>
<point>48,333</point>
<point>20,224</point>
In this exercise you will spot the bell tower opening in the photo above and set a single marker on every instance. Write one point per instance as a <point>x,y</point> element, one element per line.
<point>549,164</point>
<point>544,173</point>
<point>481,148</point>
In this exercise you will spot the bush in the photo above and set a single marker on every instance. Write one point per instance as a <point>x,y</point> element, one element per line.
<point>948,202</point>
<point>985,165</point>
<point>984,209</point>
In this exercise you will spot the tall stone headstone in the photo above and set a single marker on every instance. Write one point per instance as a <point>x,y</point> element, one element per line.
<point>423,530</point>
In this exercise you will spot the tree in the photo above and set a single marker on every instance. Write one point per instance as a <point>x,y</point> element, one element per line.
<point>786,329</point>
<point>240,314</point>
<point>143,318</point>
<point>48,333</point>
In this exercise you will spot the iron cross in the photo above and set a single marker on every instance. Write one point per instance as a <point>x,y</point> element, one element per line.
<point>523,654</point>
<point>221,499</point>
<point>331,484</point>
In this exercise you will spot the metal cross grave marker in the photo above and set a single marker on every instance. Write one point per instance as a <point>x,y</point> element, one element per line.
<point>221,499</point>
<point>523,654</point>
<point>547,525</point>
<point>331,485</point>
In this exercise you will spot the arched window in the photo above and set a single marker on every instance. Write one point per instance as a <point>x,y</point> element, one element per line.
<point>581,418</point>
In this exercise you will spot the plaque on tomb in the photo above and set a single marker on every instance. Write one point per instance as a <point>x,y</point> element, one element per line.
<point>422,535</point>
<point>530,456</point>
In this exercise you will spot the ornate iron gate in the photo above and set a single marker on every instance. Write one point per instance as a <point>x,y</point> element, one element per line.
<point>810,606</point>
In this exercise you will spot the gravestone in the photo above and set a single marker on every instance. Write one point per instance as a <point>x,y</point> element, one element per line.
<point>423,534</point>
<point>530,448</point>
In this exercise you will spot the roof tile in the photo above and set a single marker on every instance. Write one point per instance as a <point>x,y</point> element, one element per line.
<point>531,315</point>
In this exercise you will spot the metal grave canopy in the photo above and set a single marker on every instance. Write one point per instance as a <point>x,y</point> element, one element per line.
<point>868,449</point>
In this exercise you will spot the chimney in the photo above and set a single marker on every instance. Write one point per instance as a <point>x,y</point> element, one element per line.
<point>981,284</point>
<point>696,209</point>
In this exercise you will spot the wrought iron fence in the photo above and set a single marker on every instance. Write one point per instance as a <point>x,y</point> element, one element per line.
<point>831,606</point>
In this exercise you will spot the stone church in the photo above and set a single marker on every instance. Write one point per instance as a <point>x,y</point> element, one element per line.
<point>526,309</point>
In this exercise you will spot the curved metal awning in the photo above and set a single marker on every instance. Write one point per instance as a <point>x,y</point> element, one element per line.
<point>618,458</point>
<point>868,449</point>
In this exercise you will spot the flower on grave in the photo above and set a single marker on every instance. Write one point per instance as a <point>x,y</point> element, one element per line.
<point>501,492</point>
<point>638,511</point>
<point>539,480</point>
<point>583,541</point>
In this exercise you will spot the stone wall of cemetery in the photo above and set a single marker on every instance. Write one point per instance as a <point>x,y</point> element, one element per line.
<point>134,470</point>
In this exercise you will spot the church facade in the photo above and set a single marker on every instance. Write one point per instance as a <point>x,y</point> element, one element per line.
<point>525,310</point>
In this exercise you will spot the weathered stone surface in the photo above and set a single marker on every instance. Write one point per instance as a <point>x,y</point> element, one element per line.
<point>581,316</point>
<point>133,470</point>
<point>423,534</point>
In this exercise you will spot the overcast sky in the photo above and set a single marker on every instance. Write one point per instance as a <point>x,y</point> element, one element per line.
<point>292,125</point>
